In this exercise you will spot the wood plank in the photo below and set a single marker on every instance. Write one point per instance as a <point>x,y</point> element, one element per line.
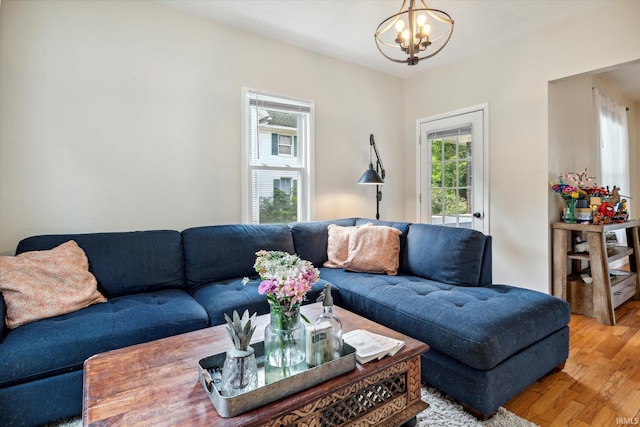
<point>560,246</point>
<point>602,306</point>
<point>602,371</point>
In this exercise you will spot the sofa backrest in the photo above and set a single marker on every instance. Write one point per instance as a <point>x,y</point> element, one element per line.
<point>311,238</point>
<point>457,256</point>
<point>125,262</point>
<point>222,252</point>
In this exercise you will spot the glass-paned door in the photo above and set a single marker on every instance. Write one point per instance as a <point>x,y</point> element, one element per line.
<point>451,190</point>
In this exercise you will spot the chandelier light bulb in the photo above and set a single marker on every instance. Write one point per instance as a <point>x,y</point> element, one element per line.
<point>405,35</point>
<point>399,25</point>
<point>422,19</point>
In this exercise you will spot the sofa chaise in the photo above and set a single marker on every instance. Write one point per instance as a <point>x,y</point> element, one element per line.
<point>487,341</point>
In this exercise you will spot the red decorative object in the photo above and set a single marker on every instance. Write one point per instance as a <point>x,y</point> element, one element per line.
<point>607,209</point>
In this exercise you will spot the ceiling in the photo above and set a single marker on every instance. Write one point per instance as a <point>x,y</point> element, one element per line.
<point>626,79</point>
<point>344,29</point>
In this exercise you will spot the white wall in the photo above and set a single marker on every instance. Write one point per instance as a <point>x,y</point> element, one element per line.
<point>125,115</point>
<point>513,78</point>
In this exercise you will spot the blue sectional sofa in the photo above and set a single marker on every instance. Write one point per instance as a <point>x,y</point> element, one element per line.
<point>487,342</point>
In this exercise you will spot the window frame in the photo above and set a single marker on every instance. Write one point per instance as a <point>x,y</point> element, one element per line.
<point>303,144</point>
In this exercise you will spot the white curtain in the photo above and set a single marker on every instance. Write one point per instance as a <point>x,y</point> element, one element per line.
<point>611,125</point>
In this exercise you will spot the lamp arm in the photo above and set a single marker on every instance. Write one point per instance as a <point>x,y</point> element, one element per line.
<point>372,142</point>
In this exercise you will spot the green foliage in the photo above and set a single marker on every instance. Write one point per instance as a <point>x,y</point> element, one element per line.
<point>450,179</point>
<point>282,207</point>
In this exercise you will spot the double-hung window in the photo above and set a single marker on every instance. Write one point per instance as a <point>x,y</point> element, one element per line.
<point>277,175</point>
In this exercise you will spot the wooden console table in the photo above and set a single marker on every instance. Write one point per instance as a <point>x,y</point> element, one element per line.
<point>610,288</point>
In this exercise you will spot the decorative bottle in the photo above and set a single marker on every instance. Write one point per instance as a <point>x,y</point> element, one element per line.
<point>326,340</point>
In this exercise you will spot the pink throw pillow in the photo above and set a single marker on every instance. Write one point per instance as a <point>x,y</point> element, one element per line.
<point>374,249</point>
<point>41,284</point>
<point>337,245</point>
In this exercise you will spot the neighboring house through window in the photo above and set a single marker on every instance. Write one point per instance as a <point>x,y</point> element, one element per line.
<point>277,175</point>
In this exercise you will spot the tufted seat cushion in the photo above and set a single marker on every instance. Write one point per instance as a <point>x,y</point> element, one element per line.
<point>64,342</point>
<point>225,296</point>
<point>479,326</point>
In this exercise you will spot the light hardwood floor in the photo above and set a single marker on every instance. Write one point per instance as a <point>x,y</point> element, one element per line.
<point>600,383</point>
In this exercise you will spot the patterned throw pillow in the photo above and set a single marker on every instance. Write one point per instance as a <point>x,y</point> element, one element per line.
<point>365,248</point>
<point>338,245</point>
<point>41,284</point>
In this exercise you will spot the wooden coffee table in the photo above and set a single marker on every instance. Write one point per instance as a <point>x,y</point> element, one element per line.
<point>156,383</point>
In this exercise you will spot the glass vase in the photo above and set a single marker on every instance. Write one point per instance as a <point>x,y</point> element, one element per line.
<point>569,210</point>
<point>239,373</point>
<point>284,343</point>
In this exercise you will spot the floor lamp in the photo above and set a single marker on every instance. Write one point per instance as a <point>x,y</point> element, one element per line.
<point>374,177</point>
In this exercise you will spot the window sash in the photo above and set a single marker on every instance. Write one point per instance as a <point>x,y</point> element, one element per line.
<point>293,145</point>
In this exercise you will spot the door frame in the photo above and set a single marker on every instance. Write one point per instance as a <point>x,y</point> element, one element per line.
<point>484,109</point>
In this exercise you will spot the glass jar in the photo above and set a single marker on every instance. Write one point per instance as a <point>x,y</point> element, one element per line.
<point>239,373</point>
<point>284,343</point>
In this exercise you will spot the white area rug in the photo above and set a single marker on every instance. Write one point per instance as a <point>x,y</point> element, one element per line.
<point>447,413</point>
<point>441,412</point>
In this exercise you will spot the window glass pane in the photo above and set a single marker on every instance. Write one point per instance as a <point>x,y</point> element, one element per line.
<point>274,137</point>
<point>285,145</point>
<point>274,196</point>
<point>279,163</point>
<point>437,204</point>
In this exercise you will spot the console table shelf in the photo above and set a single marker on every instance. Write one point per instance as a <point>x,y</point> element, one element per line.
<point>609,288</point>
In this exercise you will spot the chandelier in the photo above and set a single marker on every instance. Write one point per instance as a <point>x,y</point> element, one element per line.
<point>412,35</point>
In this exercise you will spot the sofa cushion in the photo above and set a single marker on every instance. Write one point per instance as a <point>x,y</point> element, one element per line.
<point>225,296</point>
<point>402,226</point>
<point>222,252</point>
<point>374,249</point>
<point>445,254</point>
<point>479,326</point>
<point>125,262</point>
<point>41,284</point>
<point>337,245</point>
<point>65,342</point>
<point>310,238</point>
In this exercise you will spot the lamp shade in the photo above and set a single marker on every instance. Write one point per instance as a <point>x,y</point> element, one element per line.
<point>370,177</point>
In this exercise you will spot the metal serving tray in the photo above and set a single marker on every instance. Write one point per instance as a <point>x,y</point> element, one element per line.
<point>210,369</point>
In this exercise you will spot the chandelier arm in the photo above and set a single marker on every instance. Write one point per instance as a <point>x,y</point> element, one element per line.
<point>394,45</point>
<point>390,58</point>
<point>391,24</point>
<point>438,17</point>
<point>435,39</point>
<point>393,19</point>
<point>436,52</point>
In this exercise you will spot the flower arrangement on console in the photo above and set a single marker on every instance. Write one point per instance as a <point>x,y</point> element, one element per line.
<point>574,186</point>
<point>580,190</point>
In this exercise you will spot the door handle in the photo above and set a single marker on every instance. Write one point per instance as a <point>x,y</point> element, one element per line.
<point>477,215</point>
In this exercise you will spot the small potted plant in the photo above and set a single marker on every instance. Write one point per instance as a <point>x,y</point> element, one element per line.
<point>240,370</point>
